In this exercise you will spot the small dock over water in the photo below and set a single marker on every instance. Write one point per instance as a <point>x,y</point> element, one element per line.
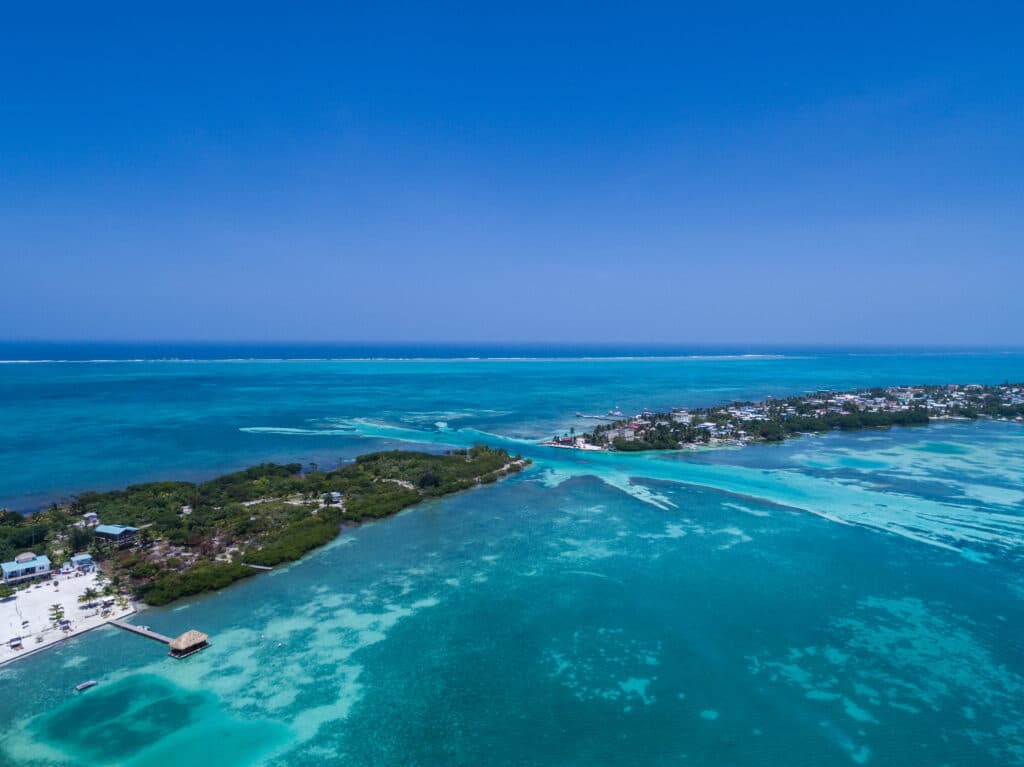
<point>141,631</point>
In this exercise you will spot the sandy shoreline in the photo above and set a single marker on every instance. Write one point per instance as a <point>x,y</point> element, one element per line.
<point>29,614</point>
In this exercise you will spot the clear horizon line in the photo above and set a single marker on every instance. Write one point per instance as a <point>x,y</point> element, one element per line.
<point>818,345</point>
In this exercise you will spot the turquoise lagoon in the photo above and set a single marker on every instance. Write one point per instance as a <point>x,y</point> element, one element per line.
<point>851,598</point>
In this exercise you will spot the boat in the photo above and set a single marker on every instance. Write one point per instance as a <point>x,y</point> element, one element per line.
<point>85,685</point>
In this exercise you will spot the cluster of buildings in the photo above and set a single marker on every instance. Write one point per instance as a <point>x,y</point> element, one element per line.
<point>572,441</point>
<point>29,565</point>
<point>949,401</point>
<point>636,426</point>
<point>740,422</point>
<point>698,420</point>
<point>954,400</point>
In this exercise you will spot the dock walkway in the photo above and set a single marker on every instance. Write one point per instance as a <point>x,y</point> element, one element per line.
<point>141,631</point>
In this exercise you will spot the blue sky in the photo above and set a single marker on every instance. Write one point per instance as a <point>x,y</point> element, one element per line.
<point>548,172</point>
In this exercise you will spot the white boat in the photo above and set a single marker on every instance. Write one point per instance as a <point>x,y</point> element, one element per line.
<point>85,685</point>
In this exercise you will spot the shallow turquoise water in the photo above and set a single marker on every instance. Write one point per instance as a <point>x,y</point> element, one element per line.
<point>854,598</point>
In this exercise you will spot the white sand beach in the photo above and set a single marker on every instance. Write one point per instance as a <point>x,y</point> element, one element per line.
<point>29,614</point>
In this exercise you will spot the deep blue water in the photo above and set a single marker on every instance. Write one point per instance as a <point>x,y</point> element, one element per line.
<point>190,350</point>
<point>853,598</point>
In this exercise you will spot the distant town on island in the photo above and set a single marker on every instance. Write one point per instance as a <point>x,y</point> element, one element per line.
<point>774,420</point>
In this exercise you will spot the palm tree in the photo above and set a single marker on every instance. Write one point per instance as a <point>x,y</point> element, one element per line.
<point>88,595</point>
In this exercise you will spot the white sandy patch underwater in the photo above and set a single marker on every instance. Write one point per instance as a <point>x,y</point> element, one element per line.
<point>312,647</point>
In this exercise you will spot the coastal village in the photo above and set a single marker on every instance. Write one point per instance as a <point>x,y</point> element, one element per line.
<point>773,420</point>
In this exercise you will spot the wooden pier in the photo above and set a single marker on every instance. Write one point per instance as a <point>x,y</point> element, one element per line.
<point>140,630</point>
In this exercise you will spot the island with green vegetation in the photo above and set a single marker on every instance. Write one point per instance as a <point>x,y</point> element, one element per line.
<point>774,420</point>
<point>187,538</point>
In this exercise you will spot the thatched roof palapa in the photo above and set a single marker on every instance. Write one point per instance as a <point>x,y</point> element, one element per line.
<point>190,638</point>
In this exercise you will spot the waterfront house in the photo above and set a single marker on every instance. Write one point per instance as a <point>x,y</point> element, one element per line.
<point>122,535</point>
<point>83,563</point>
<point>25,567</point>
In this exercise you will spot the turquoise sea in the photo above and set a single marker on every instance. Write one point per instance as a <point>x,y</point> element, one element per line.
<point>851,598</point>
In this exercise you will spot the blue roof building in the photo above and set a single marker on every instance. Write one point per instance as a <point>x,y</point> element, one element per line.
<point>117,533</point>
<point>83,562</point>
<point>24,567</point>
